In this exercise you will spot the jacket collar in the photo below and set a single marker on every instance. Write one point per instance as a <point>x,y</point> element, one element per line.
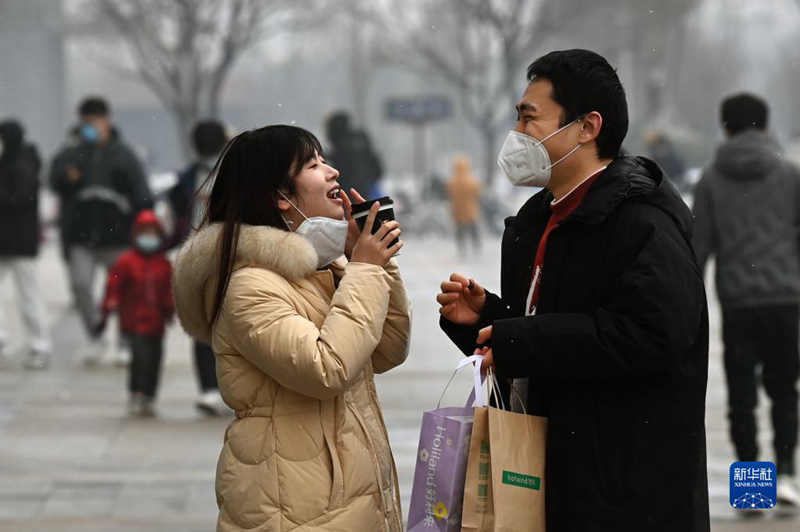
<point>623,179</point>
<point>626,179</point>
<point>287,254</point>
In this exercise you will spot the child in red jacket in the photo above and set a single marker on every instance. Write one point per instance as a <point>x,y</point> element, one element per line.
<point>139,288</point>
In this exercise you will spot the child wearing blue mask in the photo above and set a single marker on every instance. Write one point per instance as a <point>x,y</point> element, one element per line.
<point>139,288</point>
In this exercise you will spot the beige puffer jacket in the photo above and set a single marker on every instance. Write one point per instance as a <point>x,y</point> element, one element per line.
<point>296,351</point>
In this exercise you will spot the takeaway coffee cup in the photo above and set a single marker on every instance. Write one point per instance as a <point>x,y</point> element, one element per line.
<point>385,214</point>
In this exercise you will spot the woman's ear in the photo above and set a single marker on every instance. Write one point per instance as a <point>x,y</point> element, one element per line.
<point>283,203</point>
<point>592,124</point>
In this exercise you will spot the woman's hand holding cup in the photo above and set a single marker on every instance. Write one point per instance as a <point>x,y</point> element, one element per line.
<point>375,248</point>
<point>353,231</point>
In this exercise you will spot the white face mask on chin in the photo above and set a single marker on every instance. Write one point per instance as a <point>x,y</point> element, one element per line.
<point>326,235</point>
<point>525,161</point>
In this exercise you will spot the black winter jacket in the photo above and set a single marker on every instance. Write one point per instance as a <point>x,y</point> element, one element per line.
<point>104,202</point>
<point>617,353</point>
<point>19,195</point>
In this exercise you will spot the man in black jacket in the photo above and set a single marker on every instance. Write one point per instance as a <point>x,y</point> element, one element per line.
<point>107,188</point>
<point>602,322</point>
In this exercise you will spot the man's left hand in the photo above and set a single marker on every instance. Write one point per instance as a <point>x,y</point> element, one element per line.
<point>484,336</point>
<point>488,360</point>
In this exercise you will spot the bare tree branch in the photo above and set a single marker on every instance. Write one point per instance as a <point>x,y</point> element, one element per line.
<point>184,50</point>
<point>478,47</point>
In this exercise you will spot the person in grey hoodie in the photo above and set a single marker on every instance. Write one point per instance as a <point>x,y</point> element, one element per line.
<point>747,215</point>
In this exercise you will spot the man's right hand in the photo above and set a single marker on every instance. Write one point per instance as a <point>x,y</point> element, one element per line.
<point>461,300</point>
<point>73,174</point>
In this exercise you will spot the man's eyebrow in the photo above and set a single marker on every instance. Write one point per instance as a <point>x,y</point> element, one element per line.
<point>526,107</point>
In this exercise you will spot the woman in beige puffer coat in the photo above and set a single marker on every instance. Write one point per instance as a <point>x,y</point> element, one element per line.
<point>297,342</point>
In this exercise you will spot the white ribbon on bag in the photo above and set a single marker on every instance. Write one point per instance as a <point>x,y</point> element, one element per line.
<point>477,379</point>
<point>476,395</point>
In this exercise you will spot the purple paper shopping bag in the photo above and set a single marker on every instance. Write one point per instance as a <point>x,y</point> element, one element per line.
<point>437,495</point>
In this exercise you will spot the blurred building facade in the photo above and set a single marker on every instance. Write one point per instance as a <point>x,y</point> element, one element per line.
<point>32,68</point>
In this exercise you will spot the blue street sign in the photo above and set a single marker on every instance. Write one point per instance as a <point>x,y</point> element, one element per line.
<point>418,110</point>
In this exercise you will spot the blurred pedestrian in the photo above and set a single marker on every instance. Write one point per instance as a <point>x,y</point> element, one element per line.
<point>20,235</point>
<point>64,189</point>
<point>298,331</point>
<point>747,215</point>
<point>351,152</point>
<point>602,324</point>
<point>139,289</point>
<point>368,165</point>
<point>464,192</point>
<point>107,187</point>
<point>188,199</point>
<point>663,152</point>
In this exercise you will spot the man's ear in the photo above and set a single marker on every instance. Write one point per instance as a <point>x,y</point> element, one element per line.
<point>591,126</point>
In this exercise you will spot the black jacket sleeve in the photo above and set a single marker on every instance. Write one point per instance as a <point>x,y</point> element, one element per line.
<point>647,326</point>
<point>58,180</point>
<point>465,336</point>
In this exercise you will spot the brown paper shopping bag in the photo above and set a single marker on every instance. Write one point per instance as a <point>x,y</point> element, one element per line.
<point>505,486</point>
<point>517,443</point>
<point>477,513</point>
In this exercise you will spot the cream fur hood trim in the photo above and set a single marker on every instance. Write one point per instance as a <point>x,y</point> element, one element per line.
<point>287,254</point>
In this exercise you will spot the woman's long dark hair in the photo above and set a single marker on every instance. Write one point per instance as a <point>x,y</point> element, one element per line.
<point>246,179</point>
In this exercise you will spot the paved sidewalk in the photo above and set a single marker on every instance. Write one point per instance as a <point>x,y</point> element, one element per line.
<point>71,460</point>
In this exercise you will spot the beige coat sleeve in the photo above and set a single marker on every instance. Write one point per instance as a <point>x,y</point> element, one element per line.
<point>265,328</point>
<point>393,347</point>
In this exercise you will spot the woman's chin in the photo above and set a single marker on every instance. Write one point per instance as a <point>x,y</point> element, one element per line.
<point>336,214</point>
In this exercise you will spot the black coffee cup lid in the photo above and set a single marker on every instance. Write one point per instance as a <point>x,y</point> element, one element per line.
<point>358,208</point>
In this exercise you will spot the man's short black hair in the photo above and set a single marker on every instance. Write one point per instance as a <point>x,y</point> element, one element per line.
<point>583,82</point>
<point>743,111</point>
<point>209,138</point>
<point>94,106</point>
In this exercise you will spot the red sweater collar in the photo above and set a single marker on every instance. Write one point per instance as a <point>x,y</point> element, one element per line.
<point>567,205</point>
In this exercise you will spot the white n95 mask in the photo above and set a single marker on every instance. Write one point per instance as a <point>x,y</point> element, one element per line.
<point>326,235</point>
<point>525,161</point>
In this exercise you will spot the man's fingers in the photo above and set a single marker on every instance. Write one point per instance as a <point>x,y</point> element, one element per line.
<point>488,360</point>
<point>447,298</point>
<point>447,309</point>
<point>484,334</point>
<point>458,278</point>
<point>449,286</point>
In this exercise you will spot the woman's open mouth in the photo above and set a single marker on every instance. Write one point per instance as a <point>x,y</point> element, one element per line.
<point>334,195</point>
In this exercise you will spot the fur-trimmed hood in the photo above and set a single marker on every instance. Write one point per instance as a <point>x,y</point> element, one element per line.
<point>287,254</point>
